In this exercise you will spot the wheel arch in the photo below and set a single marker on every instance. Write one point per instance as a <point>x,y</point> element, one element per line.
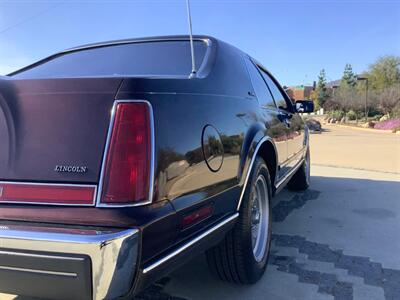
<point>269,153</point>
<point>266,149</point>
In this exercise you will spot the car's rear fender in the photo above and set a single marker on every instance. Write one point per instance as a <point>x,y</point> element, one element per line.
<point>256,143</point>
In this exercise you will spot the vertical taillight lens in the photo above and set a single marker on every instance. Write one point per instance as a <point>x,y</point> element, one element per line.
<point>127,166</point>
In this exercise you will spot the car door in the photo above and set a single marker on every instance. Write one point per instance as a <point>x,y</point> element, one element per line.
<point>294,123</point>
<point>276,129</point>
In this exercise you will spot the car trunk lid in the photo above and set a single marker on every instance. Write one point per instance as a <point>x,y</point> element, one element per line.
<point>54,130</point>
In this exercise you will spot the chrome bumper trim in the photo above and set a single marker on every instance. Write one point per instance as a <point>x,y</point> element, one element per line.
<point>64,274</point>
<point>38,255</point>
<point>113,253</point>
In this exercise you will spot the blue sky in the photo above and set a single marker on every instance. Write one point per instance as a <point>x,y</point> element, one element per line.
<point>293,39</point>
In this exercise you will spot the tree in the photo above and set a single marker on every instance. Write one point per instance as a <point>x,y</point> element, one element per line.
<point>349,79</point>
<point>388,98</point>
<point>384,73</point>
<point>384,84</point>
<point>321,91</point>
<point>383,89</point>
<point>346,93</point>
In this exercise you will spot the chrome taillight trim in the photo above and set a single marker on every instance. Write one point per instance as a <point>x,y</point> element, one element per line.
<point>51,185</point>
<point>107,148</point>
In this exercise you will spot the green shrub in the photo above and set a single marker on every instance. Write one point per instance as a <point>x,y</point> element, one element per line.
<point>337,114</point>
<point>351,115</point>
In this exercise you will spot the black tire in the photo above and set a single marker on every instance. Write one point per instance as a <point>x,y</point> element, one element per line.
<point>234,259</point>
<point>301,179</point>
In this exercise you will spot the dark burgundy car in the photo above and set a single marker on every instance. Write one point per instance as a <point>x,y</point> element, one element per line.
<point>118,164</point>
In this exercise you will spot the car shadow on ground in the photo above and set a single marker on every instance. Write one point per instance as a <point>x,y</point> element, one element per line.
<point>325,129</point>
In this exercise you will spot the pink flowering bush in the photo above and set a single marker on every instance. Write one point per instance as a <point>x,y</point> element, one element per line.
<point>388,125</point>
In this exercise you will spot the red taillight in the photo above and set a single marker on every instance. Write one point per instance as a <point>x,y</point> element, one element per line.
<point>46,194</point>
<point>127,166</point>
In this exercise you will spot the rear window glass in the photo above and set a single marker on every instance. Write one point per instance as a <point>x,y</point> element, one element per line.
<point>165,58</point>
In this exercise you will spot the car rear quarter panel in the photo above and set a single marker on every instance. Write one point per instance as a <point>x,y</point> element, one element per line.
<point>182,108</point>
<point>181,174</point>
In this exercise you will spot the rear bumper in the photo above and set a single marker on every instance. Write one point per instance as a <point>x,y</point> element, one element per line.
<point>67,263</point>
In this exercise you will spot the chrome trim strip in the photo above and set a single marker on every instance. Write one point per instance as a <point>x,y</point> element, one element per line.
<point>132,41</point>
<point>64,274</point>
<point>113,254</point>
<point>80,239</point>
<point>259,144</point>
<point>40,256</point>
<point>106,149</point>
<point>289,174</point>
<point>50,184</point>
<point>189,244</point>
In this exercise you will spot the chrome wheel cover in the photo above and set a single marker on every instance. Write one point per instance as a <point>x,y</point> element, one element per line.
<point>260,218</point>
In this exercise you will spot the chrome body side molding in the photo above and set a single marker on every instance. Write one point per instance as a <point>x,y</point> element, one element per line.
<point>289,174</point>
<point>188,244</point>
<point>277,183</point>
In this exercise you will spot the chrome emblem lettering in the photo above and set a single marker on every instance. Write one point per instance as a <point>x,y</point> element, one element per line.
<point>70,169</point>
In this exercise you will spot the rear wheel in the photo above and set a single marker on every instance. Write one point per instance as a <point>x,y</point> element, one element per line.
<point>301,179</point>
<point>242,256</point>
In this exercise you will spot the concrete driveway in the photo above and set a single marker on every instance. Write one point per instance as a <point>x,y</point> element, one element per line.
<point>338,240</point>
<point>356,148</point>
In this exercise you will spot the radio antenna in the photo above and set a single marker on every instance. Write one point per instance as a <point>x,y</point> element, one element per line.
<point>191,38</point>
